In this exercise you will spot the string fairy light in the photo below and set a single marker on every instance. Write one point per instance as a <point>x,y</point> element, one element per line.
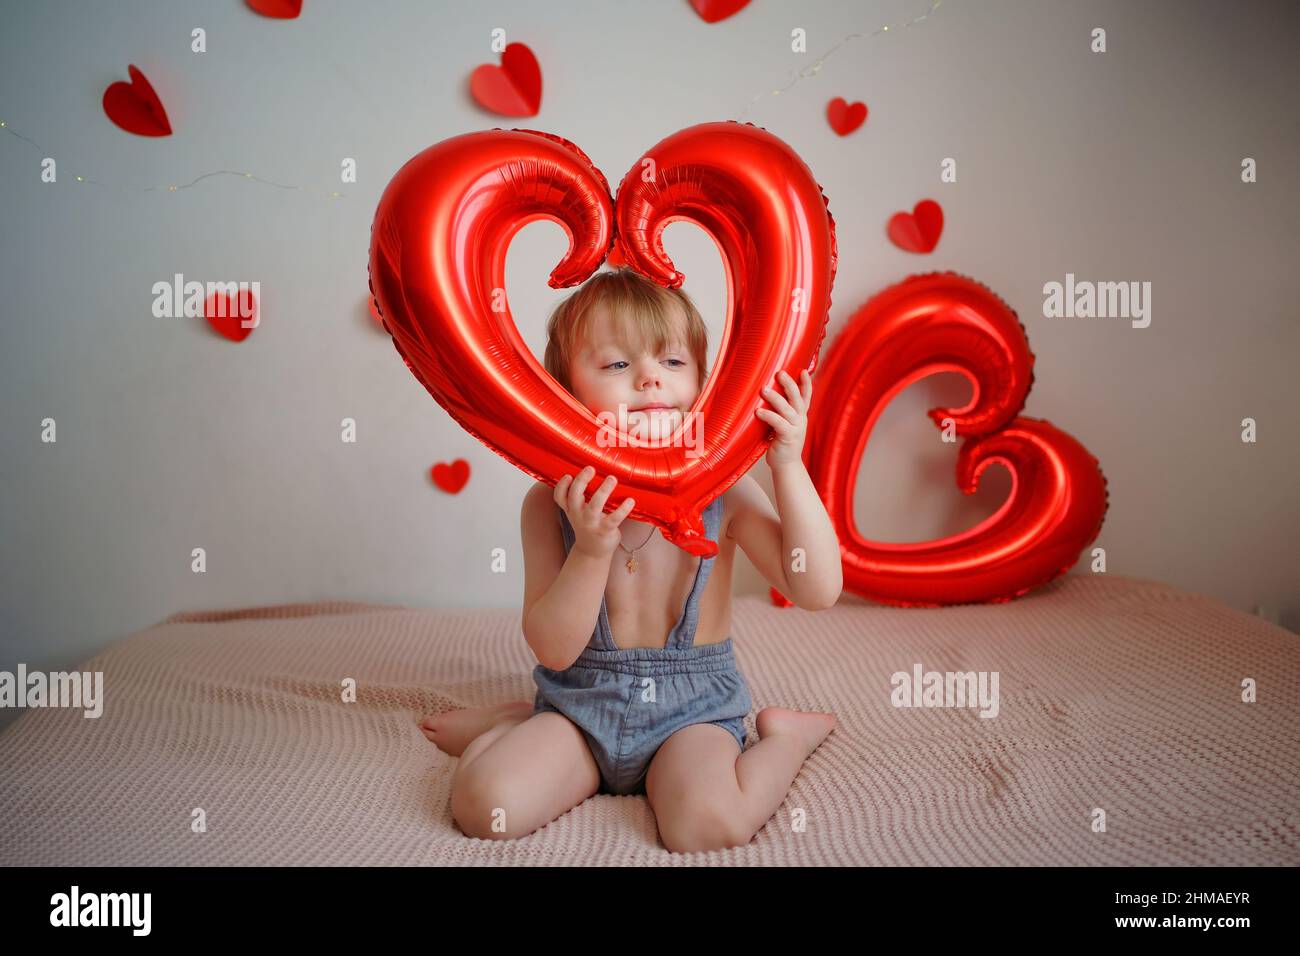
<point>332,194</point>
<point>813,68</point>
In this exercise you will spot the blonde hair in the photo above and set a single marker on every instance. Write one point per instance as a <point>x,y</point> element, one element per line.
<point>647,311</point>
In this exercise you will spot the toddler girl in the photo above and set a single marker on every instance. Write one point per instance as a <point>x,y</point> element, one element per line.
<point>637,686</point>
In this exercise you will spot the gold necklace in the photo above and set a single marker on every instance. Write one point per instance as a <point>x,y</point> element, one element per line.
<point>631,561</point>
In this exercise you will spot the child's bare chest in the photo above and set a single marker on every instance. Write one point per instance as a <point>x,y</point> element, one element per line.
<point>645,604</point>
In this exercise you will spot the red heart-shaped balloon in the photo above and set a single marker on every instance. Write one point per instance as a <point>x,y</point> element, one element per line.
<point>615,258</point>
<point>233,319</point>
<point>437,271</point>
<point>919,230</point>
<point>450,478</point>
<point>845,117</point>
<point>943,322</point>
<point>711,11</point>
<point>512,89</point>
<point>135,107</point>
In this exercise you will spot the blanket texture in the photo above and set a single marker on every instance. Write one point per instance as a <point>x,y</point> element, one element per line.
<point>1116,695</point>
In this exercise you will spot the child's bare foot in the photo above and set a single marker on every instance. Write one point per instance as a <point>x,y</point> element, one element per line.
<point>453,731</point>
<point>811,728</point>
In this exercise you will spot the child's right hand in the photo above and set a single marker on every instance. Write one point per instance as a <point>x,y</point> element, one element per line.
<point>596,533</point>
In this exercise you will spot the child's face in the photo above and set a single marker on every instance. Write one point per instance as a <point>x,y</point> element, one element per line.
<point>605,375</point>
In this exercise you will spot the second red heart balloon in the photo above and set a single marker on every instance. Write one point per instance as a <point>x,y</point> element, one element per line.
<point>943,322</point>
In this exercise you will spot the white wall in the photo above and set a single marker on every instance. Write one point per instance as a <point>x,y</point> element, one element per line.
<point>1115,166</point>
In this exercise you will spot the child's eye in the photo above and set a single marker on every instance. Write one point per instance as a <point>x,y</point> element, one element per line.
<point>612,364</point>
<point>678,361</point>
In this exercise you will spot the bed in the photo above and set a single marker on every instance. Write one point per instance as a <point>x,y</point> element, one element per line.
<point>1117,695</point>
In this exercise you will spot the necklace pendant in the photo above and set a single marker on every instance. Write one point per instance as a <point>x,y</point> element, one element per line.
<point>631,565</point>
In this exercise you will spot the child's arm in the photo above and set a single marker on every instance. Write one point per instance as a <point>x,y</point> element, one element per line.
<point>562,595</point>
<point>814,578</point>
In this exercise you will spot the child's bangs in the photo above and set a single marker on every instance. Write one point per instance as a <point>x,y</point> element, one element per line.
<point>646,318</point>
<point>646,323</point>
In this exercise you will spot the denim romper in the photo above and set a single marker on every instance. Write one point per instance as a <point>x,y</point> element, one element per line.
<point>627,702</point>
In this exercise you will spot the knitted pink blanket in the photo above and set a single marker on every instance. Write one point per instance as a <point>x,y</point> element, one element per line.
<point>1119,703</point>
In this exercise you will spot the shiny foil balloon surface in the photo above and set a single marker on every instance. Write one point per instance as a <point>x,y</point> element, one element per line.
<point>943,322</point>
<point>437,271</point>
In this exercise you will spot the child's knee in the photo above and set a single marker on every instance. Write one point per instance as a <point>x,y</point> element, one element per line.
<point>701,826</point>
<point>487,810</point>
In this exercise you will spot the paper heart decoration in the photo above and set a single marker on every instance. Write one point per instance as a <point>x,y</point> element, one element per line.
<point>711,11</point>
<point>919,230</point>
<point>845,117</point>
<point>135,107</point>
<point>231,318</point>
<point>943,322</point>
<point>512,89</point>
<point>450,478</point>
<point>277,9</point>
<point>437,271</point>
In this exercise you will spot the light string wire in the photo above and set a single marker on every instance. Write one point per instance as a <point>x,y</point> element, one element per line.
<point>815,67</point>
<point>333,194</point>
<point>809,71</point>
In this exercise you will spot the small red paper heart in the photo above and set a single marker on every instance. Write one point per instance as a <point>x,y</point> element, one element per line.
<point>512,89</point>
<point>234,321</point>
<point>845,117</point>
<point>135,107</point>
<point>919,230</point>
<point>779,599</point>
<point>451,478</point>
<point>279,9</point>
<point>711,11</point>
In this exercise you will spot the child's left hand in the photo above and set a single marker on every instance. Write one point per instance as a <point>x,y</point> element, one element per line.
<point>790,420</point>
